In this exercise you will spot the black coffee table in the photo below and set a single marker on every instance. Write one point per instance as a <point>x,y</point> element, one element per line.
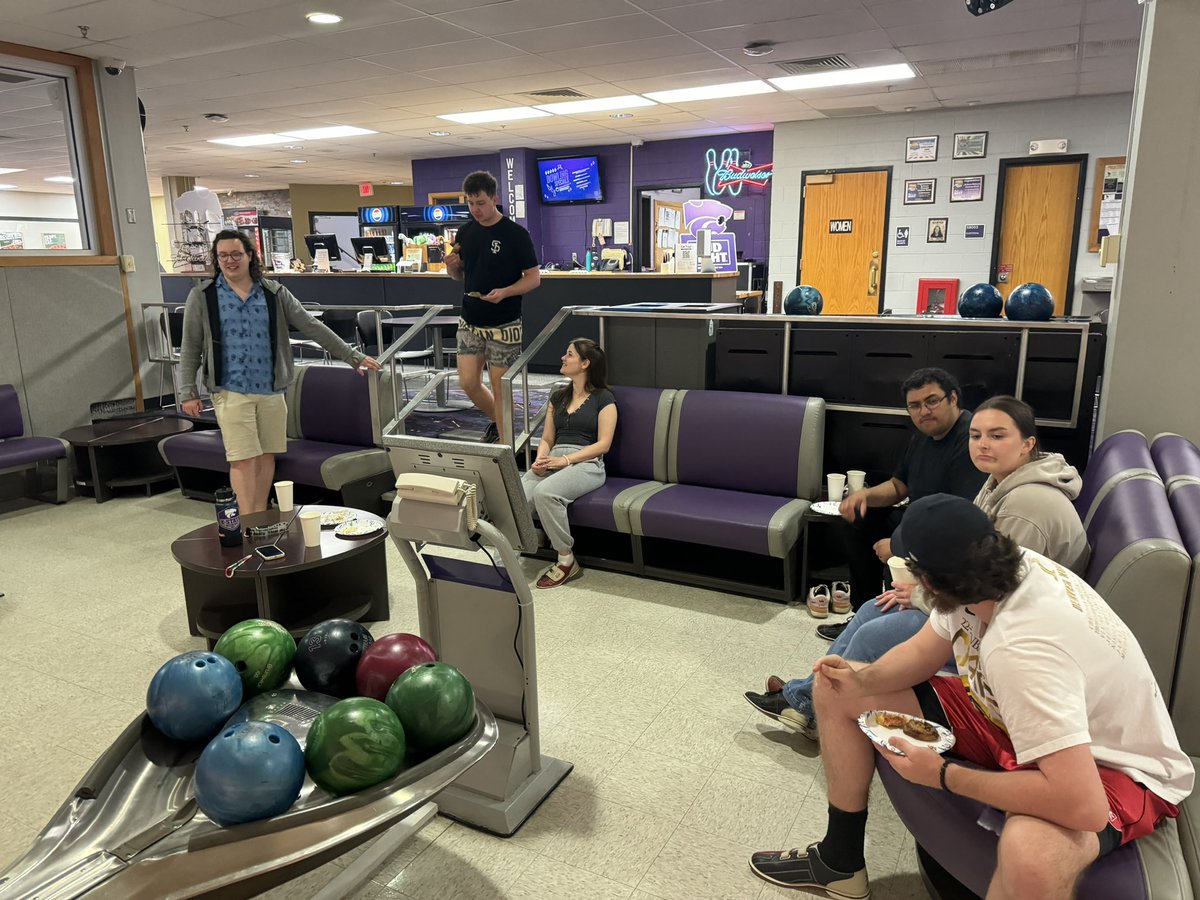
<point>117,453</point>
<point>342,578</point>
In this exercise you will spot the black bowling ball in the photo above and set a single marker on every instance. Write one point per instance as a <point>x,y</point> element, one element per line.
<point>327,657</point>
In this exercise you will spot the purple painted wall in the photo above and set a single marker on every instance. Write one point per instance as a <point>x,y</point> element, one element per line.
<point>568,228</point>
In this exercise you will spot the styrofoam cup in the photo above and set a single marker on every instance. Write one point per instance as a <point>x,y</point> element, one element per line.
<point>856,480</point>
<point>900,570</point>
<point>283,495</point>
<point>310,522</point>
<point>835,482</point>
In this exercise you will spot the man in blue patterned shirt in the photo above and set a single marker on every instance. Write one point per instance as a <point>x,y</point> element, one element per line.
<point>237,327</point>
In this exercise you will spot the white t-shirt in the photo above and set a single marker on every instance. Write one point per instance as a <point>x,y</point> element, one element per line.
<point>1056,668</point>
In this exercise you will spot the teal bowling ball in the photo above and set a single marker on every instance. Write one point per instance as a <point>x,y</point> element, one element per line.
<point>356,743</point>
<point>1030,302</point>
<point>981,301</point>
<point>192,695</point>
<point>250,771</point>
<point>435,703</point>
<point>804,300</point>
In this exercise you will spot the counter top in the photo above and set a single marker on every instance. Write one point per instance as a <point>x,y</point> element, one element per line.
<point>443,275</point>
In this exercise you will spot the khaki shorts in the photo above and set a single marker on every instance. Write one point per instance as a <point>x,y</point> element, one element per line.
<point>251,424</point>
<point>500,345</point>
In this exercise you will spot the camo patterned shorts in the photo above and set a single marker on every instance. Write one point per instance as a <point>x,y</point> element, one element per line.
<point>500,345</point>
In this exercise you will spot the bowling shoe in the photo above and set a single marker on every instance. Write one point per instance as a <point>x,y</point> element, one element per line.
<point>556,576</point>
<point>805,868</point>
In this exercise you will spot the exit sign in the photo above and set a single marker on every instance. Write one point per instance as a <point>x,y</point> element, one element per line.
<point>366,189</point>
<point>841,226</point>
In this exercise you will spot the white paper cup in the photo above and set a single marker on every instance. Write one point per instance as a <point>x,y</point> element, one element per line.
<point>310,522</point>
<point>856,480</point>
<point>283,495</point>
<point>900,571</point>
<point>836,484</point>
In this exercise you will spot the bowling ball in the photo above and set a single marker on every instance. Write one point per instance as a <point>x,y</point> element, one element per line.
<point>261,651</point>
<point>804,300</point>
<point>354,744</point>
<point>981,301</point>
<point>434,703</point>
<point>327,657</point>
<point>387,659</point>
<point>249,771</point>
<point>192,695</point>
<point>1030,302</point>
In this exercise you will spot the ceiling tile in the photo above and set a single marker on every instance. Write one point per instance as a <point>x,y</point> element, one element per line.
<point>523,15</point>
<point>828,26</point>
<point>288,20</point>
<point>623,52</point>
<point>714,68</point>
<point>109,19</point>
<point>496,70</point>
<point>588,34</point>
<point>418,59</point>
<point>389,37</point>
<point>721,14</point>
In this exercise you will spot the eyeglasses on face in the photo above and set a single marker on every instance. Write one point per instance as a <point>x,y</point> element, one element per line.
<point>929,402</point>
<point>231,257</point>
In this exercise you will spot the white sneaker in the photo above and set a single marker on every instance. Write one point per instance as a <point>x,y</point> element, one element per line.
<point>818,601</point>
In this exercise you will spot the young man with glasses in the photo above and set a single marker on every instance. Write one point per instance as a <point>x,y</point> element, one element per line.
<point>236,326</point>
<point>937,461</point>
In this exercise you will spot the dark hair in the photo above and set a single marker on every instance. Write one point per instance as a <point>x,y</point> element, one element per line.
<point>232,234</point>
<point>480,182</point>
<point>1022,415</point>
<point>596,372</point>
<point>943,379</point>
<point>989,570</point>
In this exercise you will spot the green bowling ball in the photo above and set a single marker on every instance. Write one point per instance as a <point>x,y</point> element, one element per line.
<point>262,652</point>
<point>356,743</point>
<point>435,703</point>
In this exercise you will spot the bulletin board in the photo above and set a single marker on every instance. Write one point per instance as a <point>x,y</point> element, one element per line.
<point>1108,199</point>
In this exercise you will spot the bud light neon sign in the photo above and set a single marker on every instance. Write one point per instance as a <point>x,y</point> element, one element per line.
<point>728,175</point>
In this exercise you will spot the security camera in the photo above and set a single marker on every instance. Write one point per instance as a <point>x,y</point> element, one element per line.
<point>637,142</point>
<point>113,67</point>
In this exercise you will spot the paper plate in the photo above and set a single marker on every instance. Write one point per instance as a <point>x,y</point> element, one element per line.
<point>359,528</point>
<point>826,508</point>
<point>335,517</point>
<point>881,734</point>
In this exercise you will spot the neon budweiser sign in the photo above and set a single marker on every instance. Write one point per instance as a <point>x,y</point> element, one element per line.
<point>728,175</point>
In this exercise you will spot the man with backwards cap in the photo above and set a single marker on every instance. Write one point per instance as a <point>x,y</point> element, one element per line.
<point>1053,698</point>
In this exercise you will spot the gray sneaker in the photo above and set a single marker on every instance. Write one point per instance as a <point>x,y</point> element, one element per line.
<point>776,707</point>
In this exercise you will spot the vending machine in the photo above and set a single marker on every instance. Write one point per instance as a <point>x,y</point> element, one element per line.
<point>380,222</point>
<point>426,232</point>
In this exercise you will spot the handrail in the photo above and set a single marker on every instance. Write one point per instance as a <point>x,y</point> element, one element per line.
<point>419,397</point>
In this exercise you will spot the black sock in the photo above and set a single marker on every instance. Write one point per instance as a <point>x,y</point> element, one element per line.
<point>842,846</point>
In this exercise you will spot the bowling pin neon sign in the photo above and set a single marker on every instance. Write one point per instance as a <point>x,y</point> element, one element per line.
<point>728,175</point>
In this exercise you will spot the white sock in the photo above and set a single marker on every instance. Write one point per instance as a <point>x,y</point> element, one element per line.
<point>566,561</point>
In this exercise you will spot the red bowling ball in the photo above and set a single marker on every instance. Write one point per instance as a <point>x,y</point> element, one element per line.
<point>386,660</point>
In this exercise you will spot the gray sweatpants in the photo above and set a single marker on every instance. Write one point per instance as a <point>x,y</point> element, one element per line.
<point>550,494</point>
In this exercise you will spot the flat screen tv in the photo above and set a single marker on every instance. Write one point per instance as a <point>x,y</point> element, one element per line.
<point>571,179</point>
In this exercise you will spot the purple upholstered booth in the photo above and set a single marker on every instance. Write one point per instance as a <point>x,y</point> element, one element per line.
<point>1120,456</point>
<point>1185,701</point>
<point>24,454</point>
<point>1177,460</point>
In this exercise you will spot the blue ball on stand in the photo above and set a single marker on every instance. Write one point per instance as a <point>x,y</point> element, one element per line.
<point>1030,302</point>
<point>981,301</point>
<point>804,300</point>
<point>192,695</point>
<point>250,771</point>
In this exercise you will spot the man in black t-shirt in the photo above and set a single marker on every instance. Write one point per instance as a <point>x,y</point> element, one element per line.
<point>494,258</point>
<point>937,461</point>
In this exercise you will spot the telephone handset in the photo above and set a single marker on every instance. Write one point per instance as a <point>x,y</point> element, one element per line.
<point>438,489</point>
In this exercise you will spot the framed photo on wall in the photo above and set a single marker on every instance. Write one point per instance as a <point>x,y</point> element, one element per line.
<point>964,188</point>
<point>935,233</point>
<point>921,149</point>
<point>919,190</point>
<point>937,296</point>
<point>970,144</point>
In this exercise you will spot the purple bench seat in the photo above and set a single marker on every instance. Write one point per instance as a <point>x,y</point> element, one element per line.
<point>1120,456</point>
<point>1176,458</point>
<point>19,453</point>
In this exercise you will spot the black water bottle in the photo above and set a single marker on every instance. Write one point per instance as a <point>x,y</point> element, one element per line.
<point>229,523</point>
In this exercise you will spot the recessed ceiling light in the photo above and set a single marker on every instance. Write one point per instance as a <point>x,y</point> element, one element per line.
<point>298,161</point>
<point>293,146</point>
<point>60,179</point>
<point>440,133</point>
<point>216,117</point>
<point>596,104</point>
<point>840,77</point>
<point>323,18</point>
<point>395,182</point>
<point>333,131</point>
<point>10,171</point>
<point>508,114</point>
<point>620,115</point>
<point>8,187</point>
<point>759,48</point>
<point>248,175</point>
<point>712,92</point>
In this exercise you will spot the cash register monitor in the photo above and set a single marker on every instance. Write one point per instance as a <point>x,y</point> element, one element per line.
<point>377,245</point>
<point>329,242</point>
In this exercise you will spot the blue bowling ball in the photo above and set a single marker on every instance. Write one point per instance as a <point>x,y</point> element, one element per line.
<point>1030,302</point>
<point>247,772</point>
<point>192,695</point>
<point>804,300</point>
<point>981,301</point>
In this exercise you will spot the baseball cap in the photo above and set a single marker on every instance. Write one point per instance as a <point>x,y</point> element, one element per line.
<point>937,531</point>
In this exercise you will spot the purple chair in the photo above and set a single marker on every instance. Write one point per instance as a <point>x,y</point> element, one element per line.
<point>1120,456</point>
<point>1185,701</point>
<point>1177,460</point>
<point>24,454</point>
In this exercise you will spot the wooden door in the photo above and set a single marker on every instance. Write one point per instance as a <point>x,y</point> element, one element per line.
<point>1037,226</point>
<point>666,217</point>
<point>843,217</point>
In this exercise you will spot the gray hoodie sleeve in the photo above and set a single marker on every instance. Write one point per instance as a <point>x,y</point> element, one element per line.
<point>192,349</point>
<point>298,318</point>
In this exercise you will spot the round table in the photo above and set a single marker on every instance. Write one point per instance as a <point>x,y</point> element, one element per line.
<point>342,578</point>
<point>116,453</point>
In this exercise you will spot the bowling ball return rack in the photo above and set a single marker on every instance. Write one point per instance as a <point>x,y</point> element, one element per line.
<point>132,830</point>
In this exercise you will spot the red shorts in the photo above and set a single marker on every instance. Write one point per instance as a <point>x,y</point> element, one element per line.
<point>1133,809</point>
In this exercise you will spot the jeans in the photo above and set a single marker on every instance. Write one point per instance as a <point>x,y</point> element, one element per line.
<point>870,634</point>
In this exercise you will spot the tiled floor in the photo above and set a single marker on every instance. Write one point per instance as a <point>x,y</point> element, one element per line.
<point>676,779</point>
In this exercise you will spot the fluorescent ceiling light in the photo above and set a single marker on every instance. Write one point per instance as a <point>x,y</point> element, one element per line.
<point>60,179</point>
<point>333,131</point>
<point>298,161</point>
<point>8,187</point>
<point>251,140</point>
<point>598,104</point>
<point>840,77</point>
<point>10,171</point>
<point>440,133</point>
<point>712,92</point>
<point>323,18</point>
<point>248,175</point>
<point>508,114</point>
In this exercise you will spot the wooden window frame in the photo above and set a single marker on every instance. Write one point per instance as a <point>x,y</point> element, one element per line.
<point>90,138</point>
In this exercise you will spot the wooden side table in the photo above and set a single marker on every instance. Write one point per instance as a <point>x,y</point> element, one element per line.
<point>117,453</point>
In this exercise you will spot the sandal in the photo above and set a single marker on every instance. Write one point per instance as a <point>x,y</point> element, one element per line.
<point>818,601</point>
<point>841,597</point>
<point>556,575</point>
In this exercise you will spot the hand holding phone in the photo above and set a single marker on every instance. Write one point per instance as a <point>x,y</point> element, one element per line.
<point>269,552</point>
